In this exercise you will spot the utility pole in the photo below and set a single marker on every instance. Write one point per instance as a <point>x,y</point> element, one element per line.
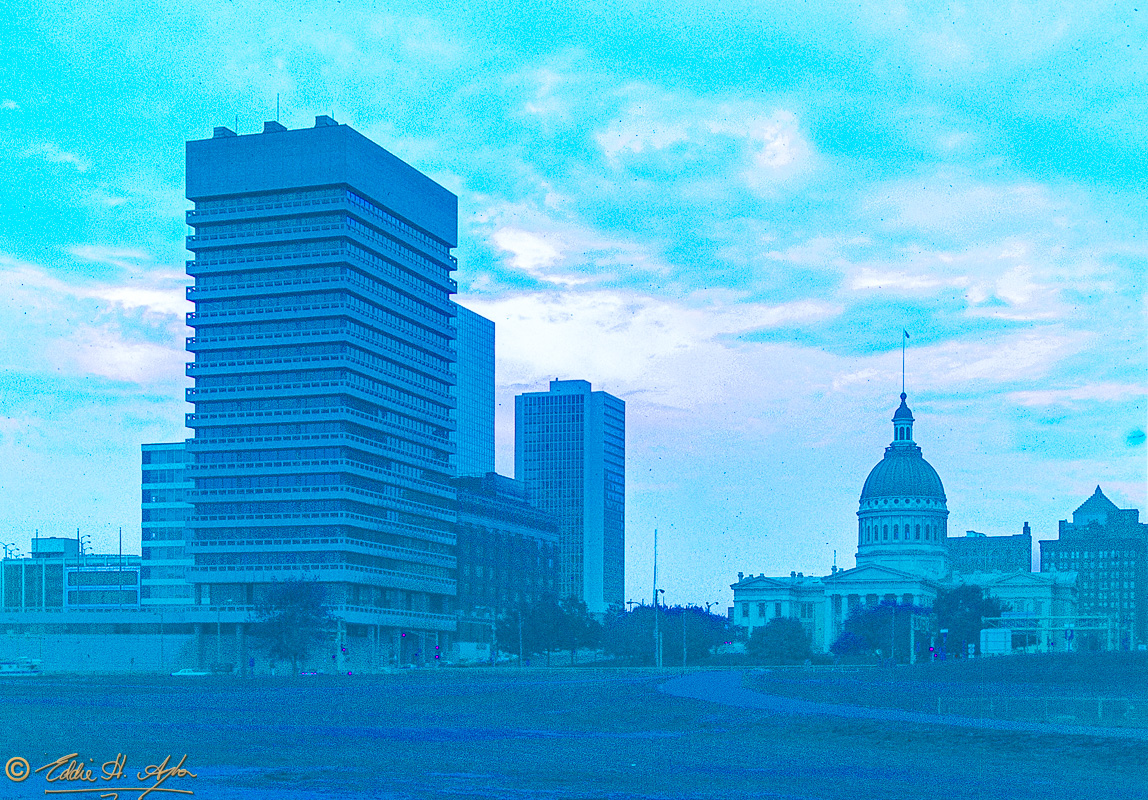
<point>657,635</point>
<point>685,615</point>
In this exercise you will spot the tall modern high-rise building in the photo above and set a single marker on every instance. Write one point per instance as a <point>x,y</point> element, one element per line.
<point>570,451</point>
<point>324,384</point>
<point>474,371</point>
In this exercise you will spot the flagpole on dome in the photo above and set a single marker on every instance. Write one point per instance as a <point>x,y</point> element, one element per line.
<point>904,338</point>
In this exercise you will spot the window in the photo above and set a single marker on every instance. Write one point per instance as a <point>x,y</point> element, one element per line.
<point>885,532</point>
<point>761,610</point>
<point>895,533</point>
<point>777,609</point>
<point>745,610</point>
<point>917,533</point>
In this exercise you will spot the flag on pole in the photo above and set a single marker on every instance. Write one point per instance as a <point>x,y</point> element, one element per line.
<point>906,333</point>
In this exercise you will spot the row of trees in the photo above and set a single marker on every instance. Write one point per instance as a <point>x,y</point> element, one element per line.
<point>292,618</point>
<point>954,622</point>
<point>889,630</point>
<point>687,633</point>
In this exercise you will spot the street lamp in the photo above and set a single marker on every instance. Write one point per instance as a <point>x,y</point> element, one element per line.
<point>657,631</point>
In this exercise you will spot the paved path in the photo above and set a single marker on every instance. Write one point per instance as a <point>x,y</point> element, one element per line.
<point>725,688</point>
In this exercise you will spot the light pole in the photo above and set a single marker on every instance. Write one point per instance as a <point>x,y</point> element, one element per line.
<point>657,631</point>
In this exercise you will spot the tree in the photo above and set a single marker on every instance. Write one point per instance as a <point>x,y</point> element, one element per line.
<point>962,611</point>
<point>291,617</point>
<point>576,628</point>
<point>782,640</point>
<point>882,629</point>
<point>540,623</point>
<point>629,635</point>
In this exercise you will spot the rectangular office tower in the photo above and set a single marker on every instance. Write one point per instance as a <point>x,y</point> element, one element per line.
<point>323,354</point>
<point>570,451</point>
<point>474,371</point>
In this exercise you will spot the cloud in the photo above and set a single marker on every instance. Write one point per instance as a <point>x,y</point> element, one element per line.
<point>105,351</point>
<point>122,257</point>
<point>53,154</point>
<point>530,253</point>
<point>677,353</point>
<point>9,105</point>
<point>763,145</point>
<point>1025,355</point>
<point>563,252</point>
<point>1107,392</point>
<point>869,278</point>
<point>971,366</point>
<point>94,327</point>
<point>949,201</point>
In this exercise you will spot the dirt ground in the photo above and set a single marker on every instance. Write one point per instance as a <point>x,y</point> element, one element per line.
<point>530,734</point>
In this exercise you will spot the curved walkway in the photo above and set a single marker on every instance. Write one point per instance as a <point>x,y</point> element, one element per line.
<point>725,688</point>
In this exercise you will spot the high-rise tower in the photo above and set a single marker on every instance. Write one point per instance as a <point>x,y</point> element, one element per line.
<point>322,360</point>
<point>570,451</point>
<point>474,371</point>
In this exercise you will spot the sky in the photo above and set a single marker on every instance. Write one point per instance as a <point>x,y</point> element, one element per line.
<point>723,213</point>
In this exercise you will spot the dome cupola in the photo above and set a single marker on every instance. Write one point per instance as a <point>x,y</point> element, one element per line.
<point>903,514</point>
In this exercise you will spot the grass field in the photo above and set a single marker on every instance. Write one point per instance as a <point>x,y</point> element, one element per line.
<point>1108,689</point>
<point>529,734</point>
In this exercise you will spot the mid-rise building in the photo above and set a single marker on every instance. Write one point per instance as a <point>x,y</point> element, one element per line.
<point>164,511</point>
<point>507,557</point>
<point>570,452</point>
<point>978,552</point>
<point>474,373</point>
<point>323,358</point>
<point>1107,547</point>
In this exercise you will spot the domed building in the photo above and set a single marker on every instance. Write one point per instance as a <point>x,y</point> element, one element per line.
<point>901,522</point>
<point>902,556</point>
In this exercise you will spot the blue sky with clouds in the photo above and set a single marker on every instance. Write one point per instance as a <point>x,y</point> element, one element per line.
<point>723,213</point>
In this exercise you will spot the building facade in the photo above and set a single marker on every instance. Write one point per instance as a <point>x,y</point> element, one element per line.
<point>61,579</point>
<point>165,560</point>
<point>474,373</point>
<point>507,557</point>
<point>570,452</point>
<point>1108,549</point>
<point>323,359</point>
<point>978,552</point>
